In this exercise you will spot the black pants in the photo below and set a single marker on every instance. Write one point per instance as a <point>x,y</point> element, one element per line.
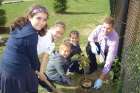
<point>92,57</point>
<point>74,67</point>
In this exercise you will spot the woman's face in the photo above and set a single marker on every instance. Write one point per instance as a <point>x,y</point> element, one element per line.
<point>39,20</point>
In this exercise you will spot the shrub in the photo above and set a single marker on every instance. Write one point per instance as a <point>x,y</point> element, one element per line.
<point>60,6</point>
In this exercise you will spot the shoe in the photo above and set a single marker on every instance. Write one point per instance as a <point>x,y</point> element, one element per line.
<point>69,73</point>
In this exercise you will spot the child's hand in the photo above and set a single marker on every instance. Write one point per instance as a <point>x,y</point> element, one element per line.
<point>75,57</point>
<point>67,80</point>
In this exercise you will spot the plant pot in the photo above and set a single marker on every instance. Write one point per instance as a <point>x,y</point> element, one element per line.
<point>86,83</point>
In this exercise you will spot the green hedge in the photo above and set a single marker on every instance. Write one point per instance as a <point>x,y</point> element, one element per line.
<point>60,6</point>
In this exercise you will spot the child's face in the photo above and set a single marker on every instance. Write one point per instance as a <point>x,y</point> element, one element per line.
<point>39,20</point>
<point>74,39</point>
<point>65,51</point>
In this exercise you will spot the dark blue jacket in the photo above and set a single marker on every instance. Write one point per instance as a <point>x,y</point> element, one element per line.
<point>74,50</point>
<point>20,53</point>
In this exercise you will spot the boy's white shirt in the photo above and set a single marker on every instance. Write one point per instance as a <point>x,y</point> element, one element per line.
<point>45,43</point>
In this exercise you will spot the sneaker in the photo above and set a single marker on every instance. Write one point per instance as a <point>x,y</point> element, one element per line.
<point>70,73</point>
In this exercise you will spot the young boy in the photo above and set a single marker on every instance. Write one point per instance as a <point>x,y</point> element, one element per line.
<point>55,69</point>
<point>46,44</point>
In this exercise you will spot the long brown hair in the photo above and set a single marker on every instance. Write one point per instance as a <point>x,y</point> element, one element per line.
<point>21,21</point>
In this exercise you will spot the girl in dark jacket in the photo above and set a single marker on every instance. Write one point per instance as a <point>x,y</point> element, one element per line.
<point>74,64</point>
<point>20,60</point>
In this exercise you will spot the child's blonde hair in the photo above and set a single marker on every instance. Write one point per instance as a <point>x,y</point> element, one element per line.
<point>64,45</point>
<point>59,24</point>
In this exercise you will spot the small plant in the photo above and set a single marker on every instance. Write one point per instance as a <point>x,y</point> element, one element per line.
<point>82,58</point>
<point>60,6</point>
<point>84,61</point>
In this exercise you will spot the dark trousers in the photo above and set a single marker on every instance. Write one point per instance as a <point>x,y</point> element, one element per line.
<point>75,67</point>
<point>92,57</point>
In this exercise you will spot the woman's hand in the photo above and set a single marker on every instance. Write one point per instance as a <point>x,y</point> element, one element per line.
<point>41,76</point>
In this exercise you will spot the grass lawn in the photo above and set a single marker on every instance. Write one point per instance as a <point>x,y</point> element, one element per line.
<point>81,15</point>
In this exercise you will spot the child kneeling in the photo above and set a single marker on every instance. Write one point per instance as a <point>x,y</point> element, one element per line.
<point>56,70</point>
